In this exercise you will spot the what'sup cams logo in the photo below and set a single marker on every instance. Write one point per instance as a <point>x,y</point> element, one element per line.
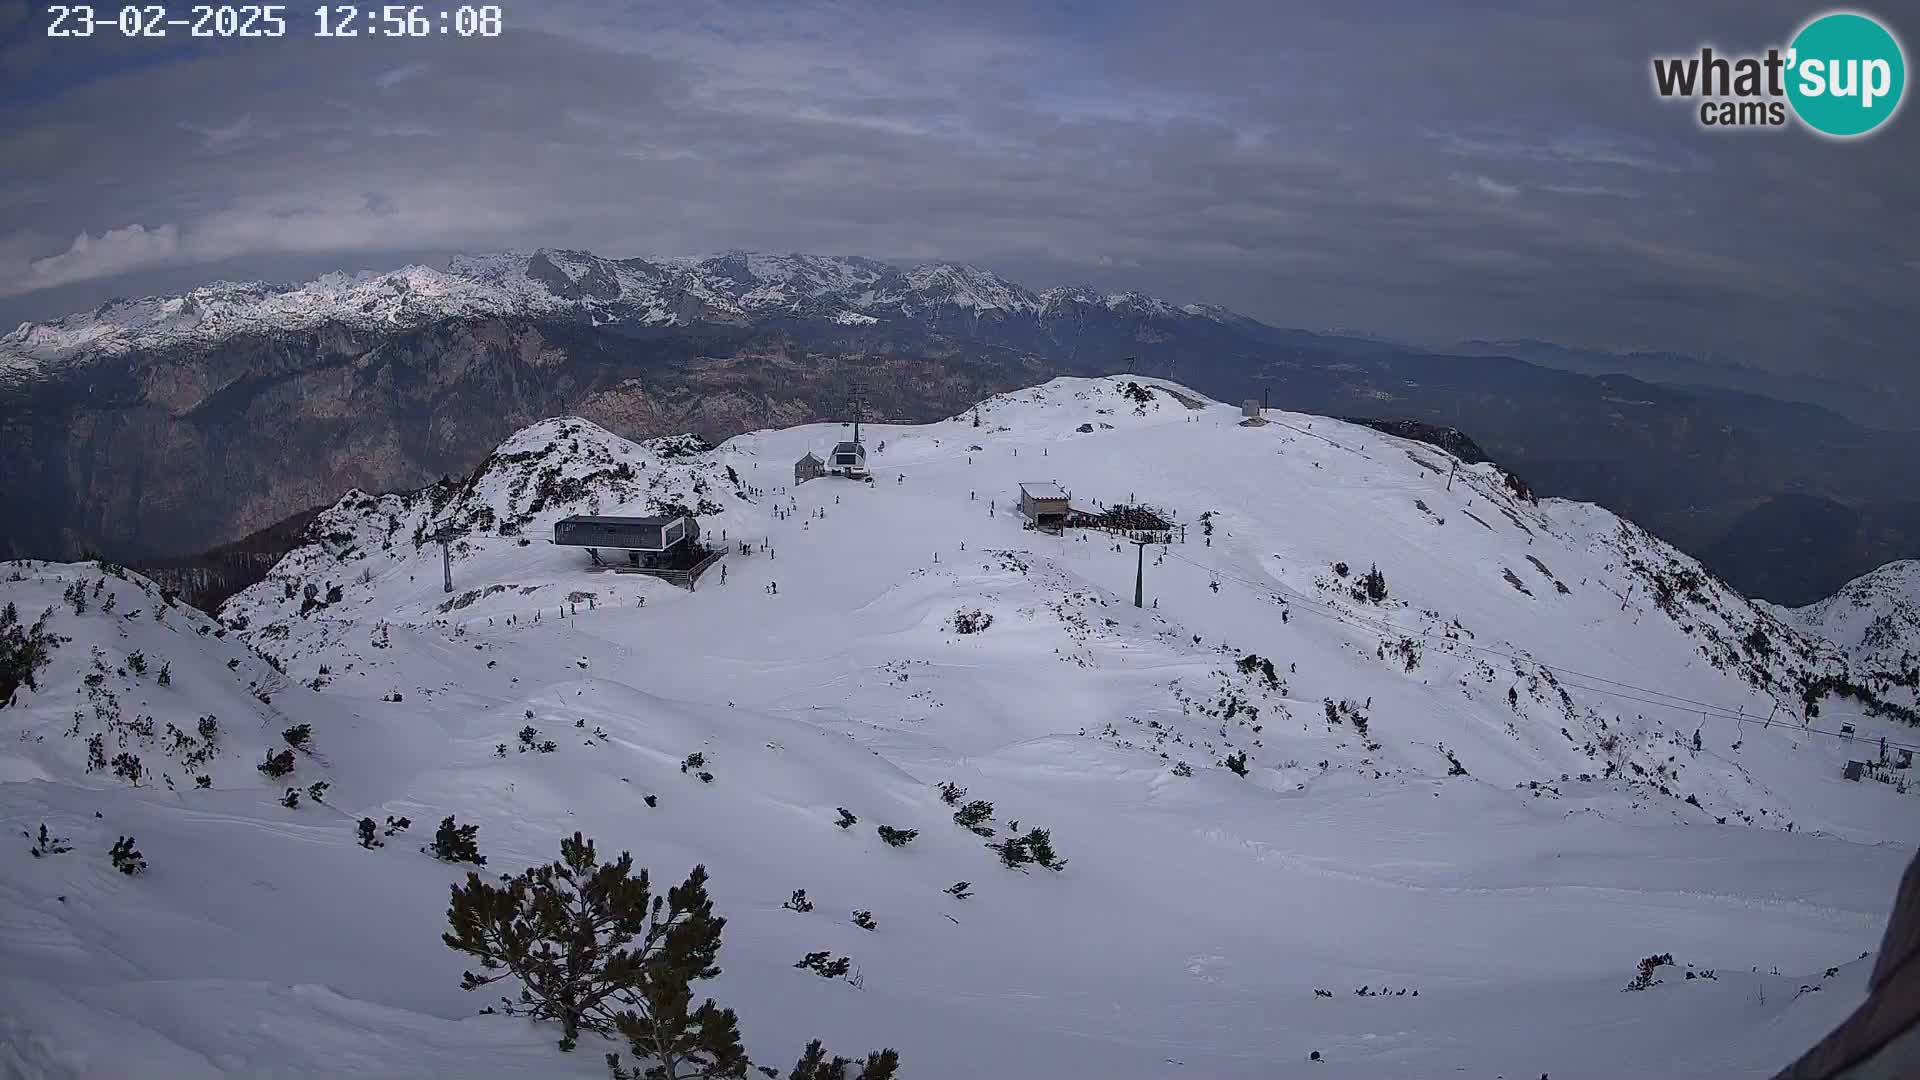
<point>1842,75</point>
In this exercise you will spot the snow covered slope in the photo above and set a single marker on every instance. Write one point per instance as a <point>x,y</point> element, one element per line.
<point>1875,618</point>
<point>1541,747</point>
<point>554,283</point>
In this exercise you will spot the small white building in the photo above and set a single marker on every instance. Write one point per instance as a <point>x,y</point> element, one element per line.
<point>1250,407</point>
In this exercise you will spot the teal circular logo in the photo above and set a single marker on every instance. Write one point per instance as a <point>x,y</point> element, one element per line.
<point>1845,74</point>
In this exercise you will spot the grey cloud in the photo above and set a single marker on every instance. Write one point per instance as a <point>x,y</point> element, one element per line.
<point>1427,171</point>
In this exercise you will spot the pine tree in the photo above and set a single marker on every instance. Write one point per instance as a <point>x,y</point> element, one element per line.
<point>825,965</point>
<point>861,919</point>
<point>815,1065</point>
<point>1040,846</point>
<point>366,829</point>
<point>277,765</point>
<point>48,844</point>
<point>291,800</point>
<point>298,736</point>
<point>1035,846</point>
<point>594,948</point>
<point>1374,585</point>
<point>897,837</point>
<point>126,858</point>
<point>973,817</point>
<point>847,820</point>
<point>456,843</point>
<point>1237,761</point>
<point>798,902</point>
<point>951,793</point>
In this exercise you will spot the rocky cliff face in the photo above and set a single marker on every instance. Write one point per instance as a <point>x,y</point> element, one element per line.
<point>176,450</point>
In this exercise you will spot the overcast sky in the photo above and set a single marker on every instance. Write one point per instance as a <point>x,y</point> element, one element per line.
<point>1418,169</point>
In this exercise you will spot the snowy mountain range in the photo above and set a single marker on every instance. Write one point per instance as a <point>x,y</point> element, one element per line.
<point>1397,771</point>
<point>163,427</point>
<point>572,284</point>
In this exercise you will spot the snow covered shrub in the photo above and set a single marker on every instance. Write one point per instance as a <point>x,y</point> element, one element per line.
<point>291,799</point>
<point>897,837</point>
<point>847,820</point>
<point>798,902</point>
<point>126,858</point>
<point>1645,979</point>
<point>298,736</point>
<point>1237,761</point>
<point>959,890</point>
<point>137,661</point>
<point>1371,587</point>
<point>1181,768</point>
<point>277,765</point>
<point>815,1065</point>
<point>318,790</point>
<point>203,781</point>
<point>951,793</point>
<point>825,965</point>
<point>366,830</point>
<point>974,816</point>
<point>456,843</point>
<point>1034,846</point>
<point>861,919</point>
<point>693,762</point>
<point>1252,663</point>
<point>47,844</point>
<point>127,767</point>
<point>397,825</point>
<point>971,621</point>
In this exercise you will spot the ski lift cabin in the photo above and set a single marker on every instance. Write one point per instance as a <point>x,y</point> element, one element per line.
<point>647,541</point>
<point>849,459</point>
<point>1045,505</point>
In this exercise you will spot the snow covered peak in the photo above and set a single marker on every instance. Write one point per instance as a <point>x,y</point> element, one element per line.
<point>734,286</point>
<point>1874,619</point>
<point>966,286</point>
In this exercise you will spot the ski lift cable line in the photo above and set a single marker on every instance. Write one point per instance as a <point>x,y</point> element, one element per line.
<point>1660,697</point>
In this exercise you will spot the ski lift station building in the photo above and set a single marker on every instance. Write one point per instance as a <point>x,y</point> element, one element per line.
<point>849,459</point>
<point>1044,504</point>
<point>646,540</point>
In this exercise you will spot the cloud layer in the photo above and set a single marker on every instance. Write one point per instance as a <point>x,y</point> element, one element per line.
<point>1426,171</point>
